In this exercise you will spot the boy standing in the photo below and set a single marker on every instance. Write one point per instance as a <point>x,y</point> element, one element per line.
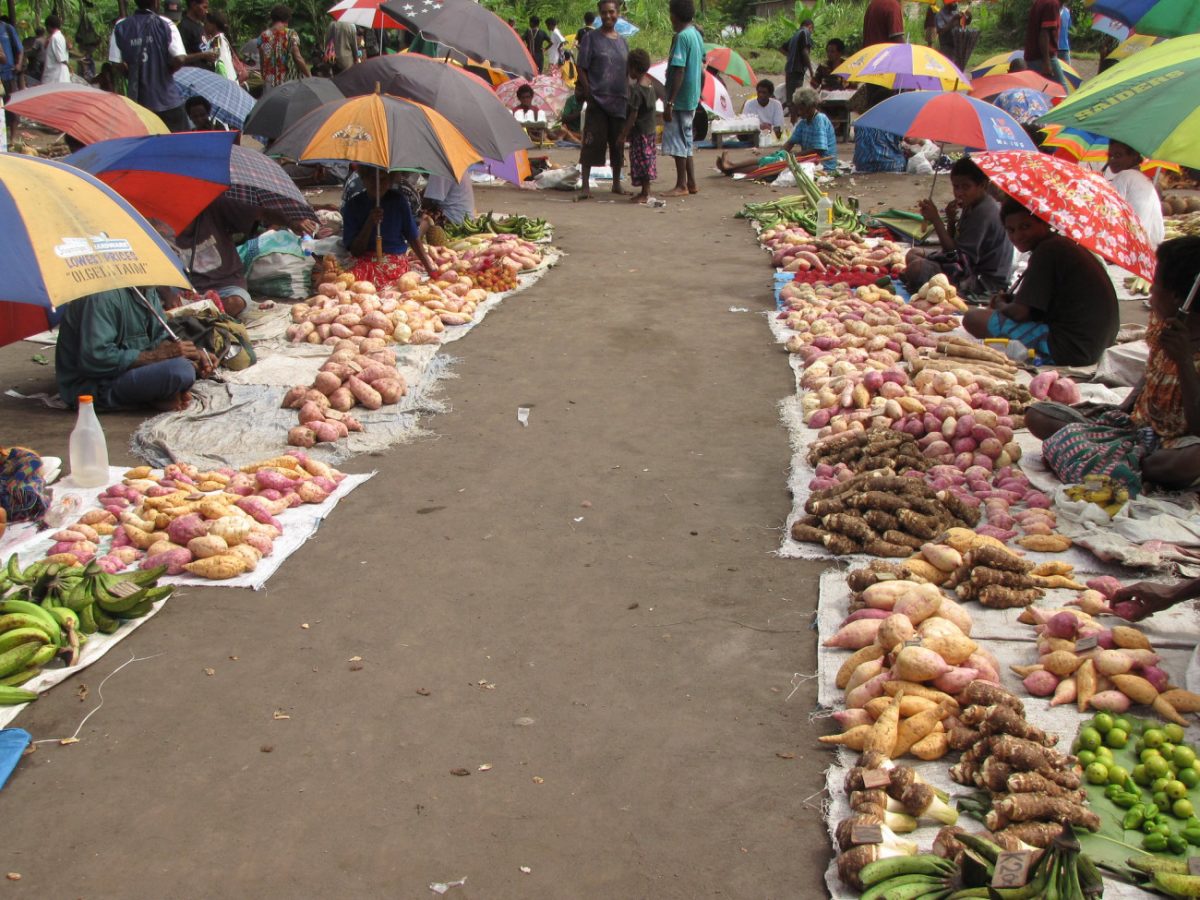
<point>684,74</point>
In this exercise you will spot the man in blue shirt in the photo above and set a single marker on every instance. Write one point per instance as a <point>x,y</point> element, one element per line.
<point>12,48</point>
<point>1064,32</point>
<point>380,209</point>
<point>149,50</point>
<point>685,73</point>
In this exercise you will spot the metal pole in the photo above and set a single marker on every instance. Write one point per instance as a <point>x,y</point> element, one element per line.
<point>154,312</point>
<point>1191,297</point>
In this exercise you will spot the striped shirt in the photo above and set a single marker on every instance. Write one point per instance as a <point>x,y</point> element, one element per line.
<point>817,136</point>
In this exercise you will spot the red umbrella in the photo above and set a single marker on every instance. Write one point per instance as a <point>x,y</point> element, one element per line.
<point>990,85</point>
<point>1075,202</point>
<point>86,113</point>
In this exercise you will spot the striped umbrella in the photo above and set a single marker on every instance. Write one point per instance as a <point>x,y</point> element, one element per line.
<point>904,67</point>
<point>363,13</point>
<point>230,104</point>
<point>169,177</point>
<point>1133,44</point>
<point>948,117</point>
<point>1091,149</point>
<point>998,65</point>
<point>549,92</point>
<point>85,113</point>
<point>729,63</point>
<point>258,180</point>
<point>713,94</point>
<point>382,131</point>
<point>1168,18</point>
<point>68,235</point>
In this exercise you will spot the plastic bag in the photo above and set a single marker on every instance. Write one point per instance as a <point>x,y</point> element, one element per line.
<point>567,178</point>
<point>276,265</point>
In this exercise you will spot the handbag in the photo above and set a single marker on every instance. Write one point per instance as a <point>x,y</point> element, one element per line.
<point>221,335</point>
<point>1109,445</point>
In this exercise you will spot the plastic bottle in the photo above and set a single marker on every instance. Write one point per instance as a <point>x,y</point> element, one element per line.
<point>306,244</point>
<point>89,451</point>
<point>824,214</point>
<point>1017,352</point>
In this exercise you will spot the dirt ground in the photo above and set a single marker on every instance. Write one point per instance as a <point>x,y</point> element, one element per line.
<point>588,605</point>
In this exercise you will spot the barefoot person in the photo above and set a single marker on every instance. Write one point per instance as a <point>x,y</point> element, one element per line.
<point>812,134</point>
<point>685,72</point>
<point>640,127</point>
<point>111,346</point>
<point>1154,435</point>
<point>603,71</point>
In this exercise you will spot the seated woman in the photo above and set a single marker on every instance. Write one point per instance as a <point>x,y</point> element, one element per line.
<point>1063,308</point>
<point>823,78</point>
<point>1155,434</point>
<point>379,210</point>
<point>570,122</point>
<point>976,254</point>
<point>877,151</point>
<point>813,134</point>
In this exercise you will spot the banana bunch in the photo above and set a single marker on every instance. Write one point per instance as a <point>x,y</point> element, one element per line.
<point>1062,872</point>
<point>1166,876</point>
<point>64,604</point>
<point>522,226</point>
<point>1109,495</point>
<point>1138,286</point>
<point>908,878</point>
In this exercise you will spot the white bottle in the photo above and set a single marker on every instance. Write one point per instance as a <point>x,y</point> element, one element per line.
<point>824,214</point>
<point>89,451</point>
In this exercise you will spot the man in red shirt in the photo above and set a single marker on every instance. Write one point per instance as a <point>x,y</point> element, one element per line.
<point>1041,40</point>
<point>883,23</point>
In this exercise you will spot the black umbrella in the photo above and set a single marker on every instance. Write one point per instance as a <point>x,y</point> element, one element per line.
<point>281,107</point>
<point>461,97</point>
<point>467,27</point>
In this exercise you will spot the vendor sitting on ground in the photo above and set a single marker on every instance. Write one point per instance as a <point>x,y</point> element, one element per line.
<point>975,254</point>
<point>570,123</point>
<point>768,110</point>
<point>813,134</point>
<point>532,117</point>
<point>1155,434</point>
<point>209,252</point>
<point>112,347</point>
<point>1063,308</point>
<point>378,209</point>
<point>1125,174</point>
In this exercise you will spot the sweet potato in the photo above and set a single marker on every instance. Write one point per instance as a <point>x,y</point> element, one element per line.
<point>309,492</point>
<point>294,397</point>
<point>341,399</point>
<point>327,383</point>
<point>209,545</point>
<point>174,560</point>
<point>326,432</point>
<point>301,436</point>
<point>249,555</point>
<point>364,393</point>
<point>217,568</point>
<point>311,412</point>
<point>185,528</point>
<point>390,389</point>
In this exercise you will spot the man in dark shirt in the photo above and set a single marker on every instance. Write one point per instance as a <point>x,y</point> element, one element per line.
<point>883,23</point>
<point>148,49</point>
<point>537,41</point>
<point>1041,40</point>
<point>799,58</point>
<point>1064,307</point>
<point>191,29</point>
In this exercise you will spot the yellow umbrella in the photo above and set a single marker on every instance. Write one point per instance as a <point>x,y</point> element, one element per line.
<point>1133,44</point>
<point>904,67</point>
<point>998,65</point>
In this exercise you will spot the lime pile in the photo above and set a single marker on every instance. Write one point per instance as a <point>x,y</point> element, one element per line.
<point>1155,794</point>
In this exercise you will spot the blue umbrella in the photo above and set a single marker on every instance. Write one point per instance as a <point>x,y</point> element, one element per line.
<point>230,104</point>
<point>1023,104</point>
<point>948,117</point>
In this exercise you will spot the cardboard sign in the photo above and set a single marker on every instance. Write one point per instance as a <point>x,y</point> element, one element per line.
<point>867,834</point>
<point>1086,643</point>
<point>876,778</point>
<point>1012,869</point>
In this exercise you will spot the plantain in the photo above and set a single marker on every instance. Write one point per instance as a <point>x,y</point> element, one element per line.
<point>17,658</point>
<point>66,617</point>
<point>87,620</point>
<point>105,623</point>
<point>136,612</point>
<point>17,636</point>
<point>14,621</point>
<point>20,677</point>
<point>43,656</point>
<point>112,603</point>
<point>13,605</point>
<point>12,696</point>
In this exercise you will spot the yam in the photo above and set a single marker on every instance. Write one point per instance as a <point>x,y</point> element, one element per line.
<point>364,393</point>
<point>301,436</point>
<point>341,399</point>
<point>327,383</point>
<point>217,568</point>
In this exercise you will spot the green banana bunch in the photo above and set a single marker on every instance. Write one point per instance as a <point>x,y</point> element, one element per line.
<point>922,876</point>
<point>1061,873</point>
<point>524,227</point>
<point>1167,876</point>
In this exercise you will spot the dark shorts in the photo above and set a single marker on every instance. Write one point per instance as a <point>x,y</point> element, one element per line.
<point>601,138</point>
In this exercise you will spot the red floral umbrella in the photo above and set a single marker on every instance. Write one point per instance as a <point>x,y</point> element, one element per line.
<point>1075,202</point>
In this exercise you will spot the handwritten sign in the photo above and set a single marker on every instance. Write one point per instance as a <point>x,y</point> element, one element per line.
<point>1012,869</point>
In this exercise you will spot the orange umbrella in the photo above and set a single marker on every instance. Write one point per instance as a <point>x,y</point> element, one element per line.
<point>988,86</point>
<point>85,113</point>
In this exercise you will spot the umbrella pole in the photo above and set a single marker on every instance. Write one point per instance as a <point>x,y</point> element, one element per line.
<point>941,151</point>
<point>154,312</point>
<point>379,224</point>
<point>1191,297</point>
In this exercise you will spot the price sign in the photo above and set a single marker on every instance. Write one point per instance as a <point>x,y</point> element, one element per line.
<point>1194,865</point>
<point>1086,643</point>
<point>876,778</point>
<point>867,834</point>
<point>913,642</point>
<point>1012,869</point>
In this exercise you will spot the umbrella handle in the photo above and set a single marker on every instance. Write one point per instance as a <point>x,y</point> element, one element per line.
<point>1191,297</point>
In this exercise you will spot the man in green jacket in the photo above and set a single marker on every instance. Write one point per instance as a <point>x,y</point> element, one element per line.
<point>112,347</point>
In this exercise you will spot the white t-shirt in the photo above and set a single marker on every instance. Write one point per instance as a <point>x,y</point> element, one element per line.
<point>556,43</point>
<point>533,116</point>
<point>57,67</point>
<point>1139,192</point>
<point>771,114</point>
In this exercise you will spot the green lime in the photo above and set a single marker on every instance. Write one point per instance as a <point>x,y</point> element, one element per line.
<point>1104,754</point>
<point>1139,774</point>
<point>1103,722</point>
<point>1118,775</point>
<point>1182,808</point>
<point>1161,800</point>
<point>1116,738</point>
<point>1157,767</point>
<point>1096,773</point>
<point>1154,737</point>
<point>1147,754</point>
<point>1160,784</point>
<point>1176,790</point>
<point>1189,776</point>
<point>1124,724</point>
<point>1086,758</point>
<point>1089,739</point>
<point>1173,732</point>
<point>1183,756</point>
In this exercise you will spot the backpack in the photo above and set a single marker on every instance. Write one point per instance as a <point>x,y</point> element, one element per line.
<point>223,336</point>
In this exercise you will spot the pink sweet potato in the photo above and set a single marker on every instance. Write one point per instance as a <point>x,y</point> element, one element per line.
<point>260,510</point>
<point>267,478</point>
<point>259,542</point>
<point>300,436</point>
<point>364,393</point>
<point>186,528</point>
<point>325,431</point>
<point>310,412</point>
<point>1064,390</point>
<point>174,560</point>
<point>390,389</point>
<point>342,400</point>
<point>310,492</point>
<point>327,383</point>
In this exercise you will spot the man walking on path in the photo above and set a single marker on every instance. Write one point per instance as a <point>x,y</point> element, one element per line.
<point>799,58</point>
<point>149,50</point>
<point>341,45</point>
<point>537,41</point>
<point>684,73</point>
<point>1041,40</point>
<point>604,76</point>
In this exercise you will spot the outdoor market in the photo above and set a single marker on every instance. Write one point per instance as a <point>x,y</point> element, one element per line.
<point>869,576</point>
